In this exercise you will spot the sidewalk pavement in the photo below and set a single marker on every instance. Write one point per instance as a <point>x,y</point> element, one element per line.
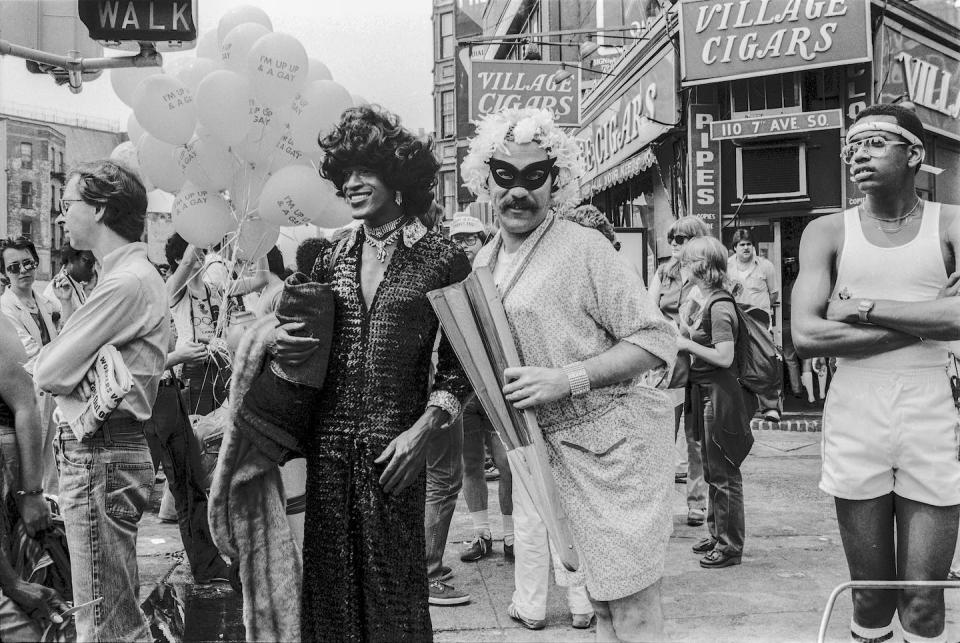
<point>792,561</point>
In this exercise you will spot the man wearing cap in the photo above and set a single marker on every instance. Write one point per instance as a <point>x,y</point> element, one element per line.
<point>877,289</point>
<point>585,328</point>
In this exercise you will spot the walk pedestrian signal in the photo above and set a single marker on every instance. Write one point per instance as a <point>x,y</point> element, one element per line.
<point>120,23</point>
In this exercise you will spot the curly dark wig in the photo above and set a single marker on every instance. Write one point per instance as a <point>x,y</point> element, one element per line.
<point>371,137</point>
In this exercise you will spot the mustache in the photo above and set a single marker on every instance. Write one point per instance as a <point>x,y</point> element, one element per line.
<point>517,203</point>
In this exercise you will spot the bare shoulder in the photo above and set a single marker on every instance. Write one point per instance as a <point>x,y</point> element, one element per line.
<point>824,233</point>
<point>950,220</point>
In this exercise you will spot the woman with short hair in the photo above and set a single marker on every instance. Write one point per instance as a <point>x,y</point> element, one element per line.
<point>717,410</point>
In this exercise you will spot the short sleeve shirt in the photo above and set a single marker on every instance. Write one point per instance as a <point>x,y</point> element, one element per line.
<point>757,282</point>
<point>723,328</point>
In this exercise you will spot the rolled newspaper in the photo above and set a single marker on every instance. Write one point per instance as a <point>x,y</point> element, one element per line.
<point>112,382</point>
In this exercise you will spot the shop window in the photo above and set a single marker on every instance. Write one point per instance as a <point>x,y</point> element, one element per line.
<point>822,88</point>
<point>26,156</point>
<point>772,171</point>
<point>26,194</point>
<point>766,94</point>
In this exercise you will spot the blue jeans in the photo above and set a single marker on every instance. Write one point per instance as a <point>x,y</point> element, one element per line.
<point>725,512</point>
<point>105,484</point>
<point>444,478</point>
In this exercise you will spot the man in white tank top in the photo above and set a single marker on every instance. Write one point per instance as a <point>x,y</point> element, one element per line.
<point>874,292</point>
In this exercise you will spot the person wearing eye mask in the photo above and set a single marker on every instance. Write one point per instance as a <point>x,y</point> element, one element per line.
<point>877,289</point>
<point>608,439</point>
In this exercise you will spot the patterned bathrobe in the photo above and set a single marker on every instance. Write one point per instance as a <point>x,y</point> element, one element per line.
<point>611,449</point>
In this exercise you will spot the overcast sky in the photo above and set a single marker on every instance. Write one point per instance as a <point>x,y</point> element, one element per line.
<point>379,49</point>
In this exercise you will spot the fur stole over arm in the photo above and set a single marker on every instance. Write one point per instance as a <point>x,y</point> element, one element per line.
<point>247,512</point>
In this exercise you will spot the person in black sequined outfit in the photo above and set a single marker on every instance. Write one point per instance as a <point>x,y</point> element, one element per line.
<point>364,571</point>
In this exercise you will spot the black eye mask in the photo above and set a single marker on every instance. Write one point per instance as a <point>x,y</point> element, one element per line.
<point>530,178</point>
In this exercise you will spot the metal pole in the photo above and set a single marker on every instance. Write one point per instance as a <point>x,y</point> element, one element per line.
<point>875,584</point>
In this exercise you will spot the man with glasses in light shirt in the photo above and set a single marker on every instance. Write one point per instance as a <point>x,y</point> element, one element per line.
<point>877,289</point>
<point>106,479</point>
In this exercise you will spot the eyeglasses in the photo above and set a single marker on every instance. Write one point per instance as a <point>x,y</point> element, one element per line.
<point>876,147</point>
<point>65,203</point>
<point>678,239</point>
<point>16,267</point>
<point>466,239</point>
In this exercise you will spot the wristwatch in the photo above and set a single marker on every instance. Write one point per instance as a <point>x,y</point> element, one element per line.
<point>864,308</point>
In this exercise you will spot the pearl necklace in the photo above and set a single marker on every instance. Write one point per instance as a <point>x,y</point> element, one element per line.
<point>900,221</point>
<point>380,238</point>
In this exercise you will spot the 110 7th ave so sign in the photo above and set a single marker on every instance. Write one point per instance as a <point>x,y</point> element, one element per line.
<point>728,39</point>
<point>500,84</point>
<point>776,125</point>
<point>142,20</point>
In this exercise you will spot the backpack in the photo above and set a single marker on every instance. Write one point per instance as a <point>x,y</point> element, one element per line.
<point>755,354</point>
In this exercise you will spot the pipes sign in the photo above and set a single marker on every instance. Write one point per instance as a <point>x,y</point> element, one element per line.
<point>728,39</point>
<point>502,84</point>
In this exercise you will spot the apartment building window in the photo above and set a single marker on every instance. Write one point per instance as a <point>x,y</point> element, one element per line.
<point>448,192</point>
<point>26,228</point>
<point>60,161</point>
<point>780,93</point>
<point>446,35</point>
<point>447,121</point>
<point>26,194</point>
<point>54,207</point>
<point>26,156</point>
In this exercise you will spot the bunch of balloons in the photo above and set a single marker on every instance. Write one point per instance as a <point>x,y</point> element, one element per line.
<point>233,133</point>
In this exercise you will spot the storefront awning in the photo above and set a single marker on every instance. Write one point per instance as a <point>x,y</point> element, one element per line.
<point>639,162</point>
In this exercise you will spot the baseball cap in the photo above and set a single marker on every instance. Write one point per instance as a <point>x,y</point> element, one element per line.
<point>465,224</point>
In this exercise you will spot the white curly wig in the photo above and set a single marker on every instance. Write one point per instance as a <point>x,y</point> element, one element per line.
<point>523,125</point>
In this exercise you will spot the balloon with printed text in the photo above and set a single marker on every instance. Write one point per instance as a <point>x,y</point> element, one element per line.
<point>294,195</point>
<point>158,162</point>
<point>236,45</point>
<point>314,112</point>
<point>277,67</point>
<point>200,216</point>
<point>164,107</point>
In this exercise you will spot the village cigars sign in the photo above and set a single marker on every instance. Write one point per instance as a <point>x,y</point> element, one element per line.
<point>728,39</point>
<point>501,84</point>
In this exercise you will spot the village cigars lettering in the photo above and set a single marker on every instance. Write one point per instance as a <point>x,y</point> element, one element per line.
<point>497,85</point>
<point>726,39</point>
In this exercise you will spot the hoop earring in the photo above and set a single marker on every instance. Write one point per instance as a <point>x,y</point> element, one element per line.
<point>398,198</point>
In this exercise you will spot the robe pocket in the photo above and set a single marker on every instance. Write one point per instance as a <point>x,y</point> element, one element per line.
<point>594,442</point>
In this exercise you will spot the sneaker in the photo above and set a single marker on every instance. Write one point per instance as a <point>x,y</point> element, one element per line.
<point>529,623</point>
<point>695,517</point>
<point>704,546</point>
<point>716,559</point>
<point>508,553</point>
<point>445,573</point>
<point>443,594</point>
<point>479,548</point>
<point>491,472</point>
<point>771,415</point>
<point>582,621</point>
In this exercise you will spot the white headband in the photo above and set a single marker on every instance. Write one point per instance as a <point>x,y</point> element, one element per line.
<point>883,127</point>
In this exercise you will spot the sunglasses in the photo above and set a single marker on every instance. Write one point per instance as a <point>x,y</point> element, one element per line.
<point>679,239</point>
<point>530,177</point>
<point>16,267</point>
<point>876,147</point>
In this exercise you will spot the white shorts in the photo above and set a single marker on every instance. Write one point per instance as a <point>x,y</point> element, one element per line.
<point>891,431</point>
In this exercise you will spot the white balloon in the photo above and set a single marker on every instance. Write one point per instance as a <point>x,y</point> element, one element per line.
<point>265,130</point>
<point>201,217</point>
<point>124,80</point>
<point>285,153</point>
<point>314,112</point>
<point>194,71</point>
<point>134,130</point>
<point>165,109</point>
<point>294,195</point>
<point>223,105</point>
<point>207,164</point>
<point>255,238</point>
<point>277,66</point>
<point>240,15</point>
<point>319,71</point>
<point>126,155</point>
<point>208,46</point>
<point>236,45</point>
<point>159,163</point>
<point>247,185</point>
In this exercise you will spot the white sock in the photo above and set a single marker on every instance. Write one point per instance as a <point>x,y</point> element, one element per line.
<point>916,638</point>
<point>507,530</point>
<point>481,523</point>
<point>861,634</point>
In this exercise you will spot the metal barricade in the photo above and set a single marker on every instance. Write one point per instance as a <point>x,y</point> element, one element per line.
<point>875,584</point>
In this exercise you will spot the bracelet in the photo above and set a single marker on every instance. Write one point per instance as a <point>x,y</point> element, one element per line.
<point>578,378</point>
<point>446,401</point>
<point>32,492</point>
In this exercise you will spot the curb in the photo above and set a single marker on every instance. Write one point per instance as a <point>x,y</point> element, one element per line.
<point>802,426</point>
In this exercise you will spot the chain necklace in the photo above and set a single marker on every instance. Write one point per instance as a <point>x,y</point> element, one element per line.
<point>382,237</point>
<point>900,221</point>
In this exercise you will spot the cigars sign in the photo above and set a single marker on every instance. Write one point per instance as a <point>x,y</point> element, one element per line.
<point>728,39</point>
<point>501,84</point>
